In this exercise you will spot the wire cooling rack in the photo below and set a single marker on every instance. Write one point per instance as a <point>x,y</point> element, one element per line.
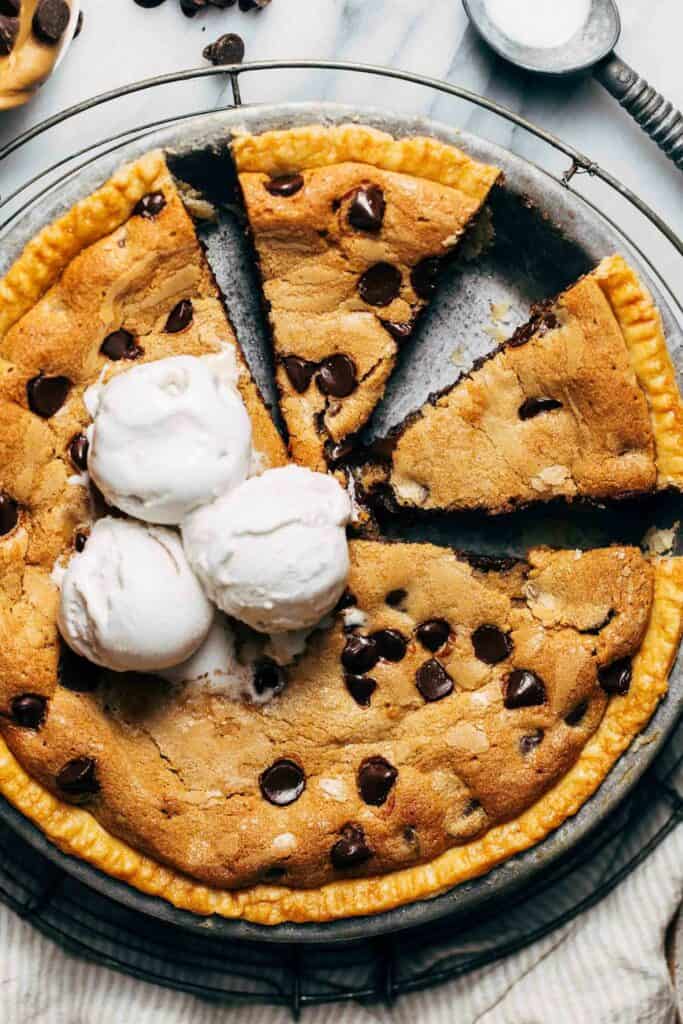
<point>93,926</point>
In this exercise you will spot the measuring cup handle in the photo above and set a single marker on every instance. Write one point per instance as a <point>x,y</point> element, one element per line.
<point>656,116</point>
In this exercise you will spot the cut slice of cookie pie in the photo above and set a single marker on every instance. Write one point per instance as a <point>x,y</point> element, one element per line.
<point>351,228</point>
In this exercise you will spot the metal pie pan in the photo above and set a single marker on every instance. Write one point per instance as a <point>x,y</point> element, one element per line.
<point>546,236</point>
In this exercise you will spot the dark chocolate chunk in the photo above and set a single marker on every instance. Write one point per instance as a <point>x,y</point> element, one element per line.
<point>76,673</point>
<point>380,284</point>
<point>180,317</point>
<point>78,451</point>
<point>616,678</point>
<point>337,376</point>
<point>50,20</point>
<point>28,710</point>
<point>10,8</point>
<point>9,30</point>
<point>366,212</point>
<point>391,644</point>
<point>352,849</point>
<point>228,49</point>
<point>360,654</point>
<point>425,276</point>
<point>268,675</point>
<point>376,776</point>
<point>576,714</point>
<point>361,688</point>
<point>192,7</point>
<point>524,689</point>
<point>399,331</point>
<point>120,345</point>
<point>283,782</point>
<point>253,5</point>
<point>396,597</point>
<point>78,777</point>
<point>150,206</point>
<point>9,514</point>
<point>80,540</point>
<point>433,681</point>
<point>531,407</point>
<point>149,3</point>
<point>47,395</point>
<point>285,185</point>
<point>491,644</point>
<point>530,741</point>
<point>300,372</point>
<point>433,634</point>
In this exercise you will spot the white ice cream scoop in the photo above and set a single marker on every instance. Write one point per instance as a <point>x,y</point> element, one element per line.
<point>273,553</point>
<point>130,602</point>
<point>169,436</point>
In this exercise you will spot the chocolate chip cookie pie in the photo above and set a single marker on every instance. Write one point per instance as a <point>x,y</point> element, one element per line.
<point>449,712</point>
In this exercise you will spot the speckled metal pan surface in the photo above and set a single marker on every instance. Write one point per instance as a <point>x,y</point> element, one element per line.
<point>545,237</point>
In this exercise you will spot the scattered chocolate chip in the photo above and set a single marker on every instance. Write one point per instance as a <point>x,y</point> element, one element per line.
<point>577,713</point>
<point>399,331</point>
<point>375,780</point>
<point>80,540</point>
<point>253,5</point>
<point>9,514</point>
<point>531,407</point>
<point>192,7</point>
<point>380,284</point>
<point>424,277</point>
<point>433,634</point>
<point>360,654</point>
<point>347,600</point>
<point>50,20</point>
<point>78,451</point>
<point>268,675</point>
<point>300,372</point>
<point>366,212</point>
<point>180,317</point>
<point>10,8</point>
<point>616,678</point>
<point>9,30</point>
<point>283,782</point>
<point>352,849</point>
<point>47,395</point>
<point>491,644</point>
<point>28,710</point>
<point>337,376</point>
<point>285,185</point>
<point>530,741</point>
<point>396,597</point>
<point>150,206</point>
<point>149,3</point>
<point>361,688</point>
<point>433,681</point>
<point>76,673</point>
<point>524,689</point>
<point>391,644</point>
<point>120,345</point>
<point>78,777</point>
<point>79,24</point>
<point>228,49</point>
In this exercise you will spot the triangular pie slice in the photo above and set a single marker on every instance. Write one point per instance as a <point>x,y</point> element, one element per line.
<point>350,228</point>
<point>582,402</point>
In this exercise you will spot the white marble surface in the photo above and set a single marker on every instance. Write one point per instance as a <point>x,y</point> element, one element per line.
<point>122,42</point>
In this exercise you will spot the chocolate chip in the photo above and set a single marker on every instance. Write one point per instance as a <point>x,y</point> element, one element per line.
<point>9,30</point>
<point>425,276</point>
<point>300,372</point>
<point>530,741</point>
<point>433,634</point>
<point>366,212</point>
<point>360,654</point>
<point>9,514</point>
<point>192,7</point>
<point>47,395</point>
<point>180,317</point>
<point>433,681</point>
<point>491,644</point>
<point>283,782</point>
<point>535,406</point>
<point>78,777</point>
<point>347,600</point>
<point>375,780</point>
<point>577,713</point>
<point>361,688</point>
<point>228,49</point>
<point>76,673</point>
<point>80,540</point>
<point>253,5</point>
<point>28,710</point>
<point>616,678</point>
<point>352,849</point>
<point>337,376</point>
<point>285,185</point>
<point>120,345</point>
<point>150,206</point>
<point>149,3</point>
<point>268,675</point>
<point>391,644</point>
<point>524,689</point>
<point>10,8</point>
<point>380,284</point>
<point>78,451</point>
<point>399,330</point>
<point>396,597</point>
<point>50,20</point>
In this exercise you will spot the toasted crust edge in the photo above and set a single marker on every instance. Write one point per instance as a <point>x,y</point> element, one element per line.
<point>77,833</point>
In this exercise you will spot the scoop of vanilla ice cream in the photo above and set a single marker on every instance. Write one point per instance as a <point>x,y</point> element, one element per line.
<point>130,602</point>
<point>169,436</point>
<point>273,552</point>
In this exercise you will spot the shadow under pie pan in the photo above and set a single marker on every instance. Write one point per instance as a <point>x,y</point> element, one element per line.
<point>545,238</point>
